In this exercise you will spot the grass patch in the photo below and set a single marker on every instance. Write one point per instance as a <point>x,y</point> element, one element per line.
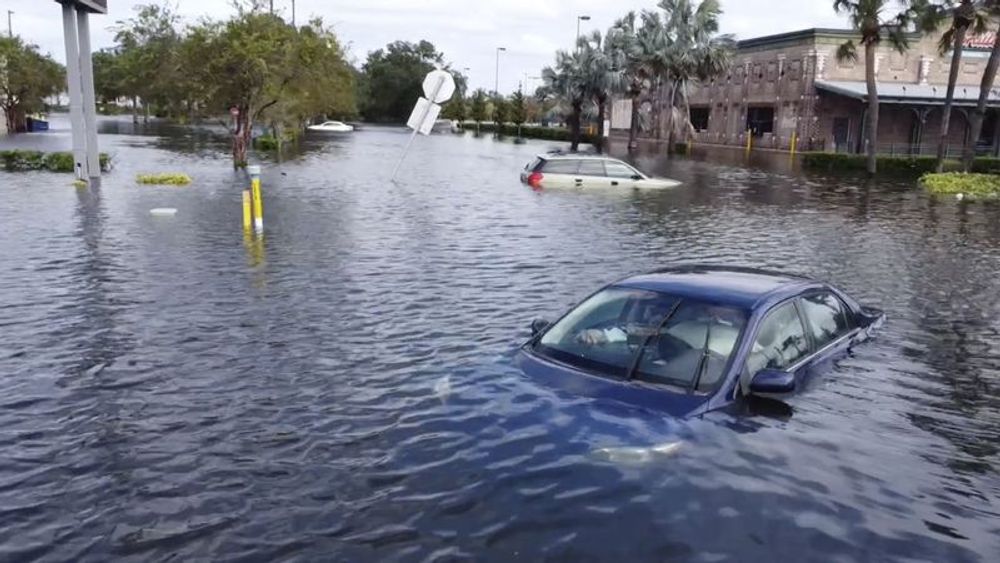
<point>164,179</point>
<point>80,184</point>
<point>973,185</point>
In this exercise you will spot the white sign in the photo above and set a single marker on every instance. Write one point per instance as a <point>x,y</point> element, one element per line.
<point>439,86</point>
<point>423,117</point>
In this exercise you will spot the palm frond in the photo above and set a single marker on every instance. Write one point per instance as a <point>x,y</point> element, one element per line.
<point>847,52</point>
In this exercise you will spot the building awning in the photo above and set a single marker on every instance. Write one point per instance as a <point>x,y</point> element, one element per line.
<point>903,93</point>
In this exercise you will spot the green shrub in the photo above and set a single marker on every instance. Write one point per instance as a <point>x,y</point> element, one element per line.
<point>164,179</point>
<point>981,185</point>
<point>529,131</point>
<point>23,161</point>
<point>267,143</point>
<point>909,165</point>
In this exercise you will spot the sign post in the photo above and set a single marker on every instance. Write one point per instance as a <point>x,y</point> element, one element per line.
<point>80,84</point>
<point>438,88</point>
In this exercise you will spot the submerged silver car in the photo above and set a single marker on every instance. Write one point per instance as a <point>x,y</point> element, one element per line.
<point>555,170</point>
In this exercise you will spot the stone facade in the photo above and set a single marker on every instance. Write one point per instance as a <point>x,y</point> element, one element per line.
<point>771,92</point>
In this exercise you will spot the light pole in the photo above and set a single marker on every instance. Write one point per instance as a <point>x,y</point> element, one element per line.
<point>293,13</point>
<point>10,23</point>
<point>578,20</point>
<point>496,84</point>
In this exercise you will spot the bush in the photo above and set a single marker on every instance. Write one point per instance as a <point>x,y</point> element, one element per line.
<point>529,131</point>
<point>982,185</point>
<point>910,165</point>
<point>23,161</point>
<point>267,143</point>
<point>164,179</point>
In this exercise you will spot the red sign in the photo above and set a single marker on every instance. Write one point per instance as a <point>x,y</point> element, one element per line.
<point>980,40</point>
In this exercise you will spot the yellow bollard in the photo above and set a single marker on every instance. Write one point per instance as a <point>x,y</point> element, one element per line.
<point>247,214</point>
<point>689,147</point>
<point>795,141</point>
<point>258,204</point>
<point>749,140</point>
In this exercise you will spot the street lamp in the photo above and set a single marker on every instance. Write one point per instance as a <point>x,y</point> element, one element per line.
<point>496,85</point>
<point>10,24</point>
<point>578,20</point>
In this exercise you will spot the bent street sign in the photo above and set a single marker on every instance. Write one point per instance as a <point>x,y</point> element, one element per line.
<point>93,6</point>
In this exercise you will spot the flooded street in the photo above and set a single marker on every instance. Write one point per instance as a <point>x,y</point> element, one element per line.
<point>344,388</point>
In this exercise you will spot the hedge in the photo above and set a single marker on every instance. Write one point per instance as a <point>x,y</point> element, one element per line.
<point>529,131</point>
<point>915,165</point>
<point>983,185</point>
<point>24,160</point>
<point>164,179</point>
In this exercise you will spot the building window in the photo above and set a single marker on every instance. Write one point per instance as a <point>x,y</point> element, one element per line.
<point>699,118</point>
<point>760,120</point>
<point>794,69</point>
<point>758,74</point>
<point>772,71</point>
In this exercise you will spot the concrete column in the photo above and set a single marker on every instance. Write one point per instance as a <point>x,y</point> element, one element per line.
<point>74,86</point>
<point>89,102</point>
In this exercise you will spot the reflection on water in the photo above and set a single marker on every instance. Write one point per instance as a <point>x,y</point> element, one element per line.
<point>344,388</point>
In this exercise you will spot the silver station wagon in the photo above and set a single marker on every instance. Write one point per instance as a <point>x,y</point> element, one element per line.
<point>555,170</point>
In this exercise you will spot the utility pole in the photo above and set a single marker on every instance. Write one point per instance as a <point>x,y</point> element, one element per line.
<point>272,7</point>
<point>10,24</point>
<point>578,20</point>
<point>496,85</point>
<point>293,14</point>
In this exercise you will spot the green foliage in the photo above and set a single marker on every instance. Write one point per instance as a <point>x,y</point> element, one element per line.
<point>907,165</point>
<point>267,143</point>
<point>457,109</point>
<point>25,160</point>
<point>977,185</point>
<point>164,179</point>
<point>501,110</point>
<point>518,109</point>
<point>478,112</point>
<point>393,79</point>
<point>80,184</point>
<point>528,131</point>
<point>26,79</point>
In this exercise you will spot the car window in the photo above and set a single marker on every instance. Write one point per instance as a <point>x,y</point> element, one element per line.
<point>694,344</point>
<point>780,341</point>
<point>618,170</point>
<point>561,166</point>
<point>826,316</point>
<point>534,164</point>
<point>604,332</point>
<point>591,168</point>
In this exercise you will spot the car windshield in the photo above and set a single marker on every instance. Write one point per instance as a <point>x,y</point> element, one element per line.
<point>647,335</point>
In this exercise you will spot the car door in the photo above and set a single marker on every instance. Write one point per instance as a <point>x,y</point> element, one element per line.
<point>591,174</point>
<point>620,175</point>
<point>560,172</point>
<point>830,327</point>
<point>780,342</point>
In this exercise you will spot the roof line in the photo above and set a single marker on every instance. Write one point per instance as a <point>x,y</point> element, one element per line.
<point>809,33</point>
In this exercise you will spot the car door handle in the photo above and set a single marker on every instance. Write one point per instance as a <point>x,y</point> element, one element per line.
<point>613,183</point>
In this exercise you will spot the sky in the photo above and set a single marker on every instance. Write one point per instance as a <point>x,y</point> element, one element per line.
<point>468,32</point>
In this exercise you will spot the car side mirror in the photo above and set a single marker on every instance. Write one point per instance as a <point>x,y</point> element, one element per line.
<point>772,382</point>
<point>538,325</point>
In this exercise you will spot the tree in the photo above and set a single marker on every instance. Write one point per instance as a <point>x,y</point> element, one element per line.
<point>568,81</point>
<point>603,77</point>
<point>518,110</point>
<point>147,57</point>
<point>108,76</point>
<point>965,15</point>
<point>869,19</point>
<point>394,77</point>
<point>986,85</point>
<point>633,48</point>
<point>26,78</point>
<point>478,109</point>
<point>693,50</point>
<point>501,112</point>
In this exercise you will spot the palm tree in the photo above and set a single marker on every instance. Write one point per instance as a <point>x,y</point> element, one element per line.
<point>633,49</point>
<point>965,15</point>
<point>869,20</point>
<point>568,81</point>
<point>688,48</point>
<point>602,76</point>
<point>976,121</point>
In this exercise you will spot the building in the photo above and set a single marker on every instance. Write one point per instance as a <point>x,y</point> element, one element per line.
<point>793,83</point>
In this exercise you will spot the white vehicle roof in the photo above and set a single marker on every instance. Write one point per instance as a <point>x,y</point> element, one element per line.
<point>571,156</point>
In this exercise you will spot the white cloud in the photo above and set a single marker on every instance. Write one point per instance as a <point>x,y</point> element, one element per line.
<point>467,31</point>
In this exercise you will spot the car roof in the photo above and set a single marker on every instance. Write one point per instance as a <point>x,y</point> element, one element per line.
<point>741,287</point>
<point>575,156</point>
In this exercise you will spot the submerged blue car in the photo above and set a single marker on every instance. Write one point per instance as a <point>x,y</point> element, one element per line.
<point>694,339</point>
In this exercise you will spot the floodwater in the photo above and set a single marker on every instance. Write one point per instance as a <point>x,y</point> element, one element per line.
<point>343,389</point>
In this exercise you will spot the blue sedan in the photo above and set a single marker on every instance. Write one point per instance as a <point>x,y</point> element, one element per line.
<point>694,339</point>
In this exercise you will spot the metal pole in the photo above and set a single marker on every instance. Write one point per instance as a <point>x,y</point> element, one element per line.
<point>293,13</point>
<point>89,101</point>
<point>74,86</point>
<point>10,24</point>
<point>496,83</point>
